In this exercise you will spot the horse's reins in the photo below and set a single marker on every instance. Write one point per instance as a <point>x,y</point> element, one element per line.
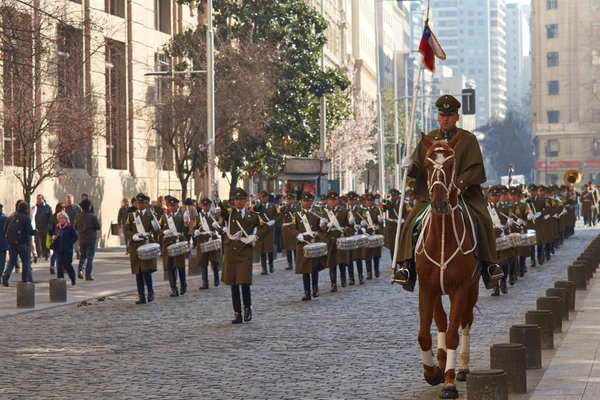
<point>422,239</point>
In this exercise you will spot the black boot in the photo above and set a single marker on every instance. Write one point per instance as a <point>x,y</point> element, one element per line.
<point>361,278</point>
<point>306,296</point>
<point>376,266</point>
<point>496,291</point>
<point>369,270</point>
<point>149,286</point>
<point>333,288</point>
<point>52,270</point>
<point>503,287</point>
<point>142,299</point>
<point>289,267</point>
<point>215,268</point>
<point>182,280</point>
<point>351,281</point>
<point>139,280</point>
<point>289,255</point>
<point>271,265</point>
<point>343,275</point>
<point>315,292</point>
<point>407,276</point>
<point>172,282</point>
<point>237,318</point>
<point>263,263</point>
<point>247,313</point>
<point>174,292</point>
<point>512,273</point>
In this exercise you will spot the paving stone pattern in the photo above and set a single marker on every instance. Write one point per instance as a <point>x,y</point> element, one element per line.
<point>360,343</point>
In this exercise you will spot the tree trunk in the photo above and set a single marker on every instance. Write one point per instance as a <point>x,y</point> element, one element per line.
<point>235,174</point>
<point>184,190</point>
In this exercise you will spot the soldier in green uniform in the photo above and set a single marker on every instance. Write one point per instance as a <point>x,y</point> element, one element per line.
<point>171,231</point>
<point>391,209</point>
<point>373,215</point>
<point>265,246</point>
<point>536,217</point>
<point>359,223</point>
<point>519,214</point>
<point>470,174</point>
<point>140,228</point>
<point>336,222</point>
<point>502,208</point>
<point>288,239</point>
<point>206,228</point>
<point>587,198</point>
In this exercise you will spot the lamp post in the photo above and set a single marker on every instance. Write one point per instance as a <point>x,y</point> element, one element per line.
<point>210,99</point>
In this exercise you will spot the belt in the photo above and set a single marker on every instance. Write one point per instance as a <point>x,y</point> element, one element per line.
<point>286,224</point>
<point>392,220</point>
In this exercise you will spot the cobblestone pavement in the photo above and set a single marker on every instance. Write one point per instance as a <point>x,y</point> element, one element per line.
<point>360,343</point>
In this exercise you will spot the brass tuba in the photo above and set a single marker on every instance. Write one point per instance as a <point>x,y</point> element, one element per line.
<point>572,177</point>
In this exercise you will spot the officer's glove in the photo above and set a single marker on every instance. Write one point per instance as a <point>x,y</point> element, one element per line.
<point>323,222</point>
<point>407,162</point>
<point>136,238</point>
<point>216,225</point>
<point>167,233</point>
<point>271,223</point>
<point>300,237</point>
<point>510,222</point>
<point>364,223</point>
<point>538,214</point>
<point>197,233</point>
<point>379,218</point>
<point>351,220</point>
<point>547,216</point>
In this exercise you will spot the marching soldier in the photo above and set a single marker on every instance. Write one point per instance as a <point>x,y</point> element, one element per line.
<point>586,206</point>
<point>536,206</point>
<point>288,239</point>
<point>502,209</point>
<point>172,228</point>
<point>549,211</point>
<point>243,229</point>
<point>359,223</point>
<point>374,218</point>
<point>392,218</point>
<point>519,215</point>
<point>336,222</point>
<point>207,229</point>
<point>140,228</point>
<point>305,228</point>
<point>268,213</point>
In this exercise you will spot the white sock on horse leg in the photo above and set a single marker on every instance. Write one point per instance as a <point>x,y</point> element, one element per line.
<point>465,345</point>
<point>450,360</point>
<point>442,340</point>
<point>428,358</point>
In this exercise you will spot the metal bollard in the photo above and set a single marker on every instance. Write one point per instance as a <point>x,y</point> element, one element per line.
<point>489,384</point>
<point>564,298</point>
<point>545,320</point>
<point>553,304</point>
<point>509,357</point>
<point>576,274</point>
<point>530,336</point>
<point>58,290</point>
<point>570,286</point>
<point>25,295</point>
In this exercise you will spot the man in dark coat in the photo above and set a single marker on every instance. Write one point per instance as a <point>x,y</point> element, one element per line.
<point>122,218</point>
<point>3,245</point>
<point>42,218</point>
<point>17,237</point>
<point>87,226</point>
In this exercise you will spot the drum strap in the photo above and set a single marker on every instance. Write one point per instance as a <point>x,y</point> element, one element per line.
<point>333,218</point>
<point>139,226</point>
<point>204,224</point>
<point>494,215</point>
<point>306,224</point>
<point>369,219</point>
<point>172,226</point>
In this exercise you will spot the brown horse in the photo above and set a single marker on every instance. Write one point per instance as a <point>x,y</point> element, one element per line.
<point>445,265</point>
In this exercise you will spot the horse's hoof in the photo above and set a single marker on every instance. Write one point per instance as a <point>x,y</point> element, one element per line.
<point>439,378</point>
<point>449,392</point>
<point>462,375</point>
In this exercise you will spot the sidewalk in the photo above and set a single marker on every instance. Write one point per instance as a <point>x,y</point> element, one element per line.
<point>112,276</point>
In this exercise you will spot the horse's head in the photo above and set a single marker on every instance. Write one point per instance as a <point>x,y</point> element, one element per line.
<point>439,161</point>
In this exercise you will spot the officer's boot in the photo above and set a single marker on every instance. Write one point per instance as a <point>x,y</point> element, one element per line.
<point>149,286</point>
<point>351,281</point>
<point>263,263</point>
<point>505,269</point>
<point>496,291</point>
<point>172,282</point>
<point>407,275</point>
<point>540,254</point>
<point>289,260</point>
<point>512,272</point>
<point>139,280</point>
<point>204,276</point>
<point>182,281</point>
<point>369,270</point>
<point>333,278</point>
<point>376,267</point>
<point>215,268</point>
<point>343,275</point>
<point>522,266</point>
<point>532,256</point>
<point>271,265</point>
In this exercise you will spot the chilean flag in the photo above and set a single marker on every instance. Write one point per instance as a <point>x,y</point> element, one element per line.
<point>430,48</point>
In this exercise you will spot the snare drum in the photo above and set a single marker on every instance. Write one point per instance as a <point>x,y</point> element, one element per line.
<point>178,249</point>
<point>502,243</point>
<point>363,240</point>
<point>347,243</point>
<point>211,245</point>
<point>529,238</point>
<point>148,251</point>
<point>375,241</point>
<point>315,250</point>
<point>514,240</point>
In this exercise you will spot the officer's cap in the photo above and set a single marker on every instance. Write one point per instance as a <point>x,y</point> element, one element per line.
<point>494,191</point>
<point>308,196</point>
<point>173,200</point>
<point>239,193</point>
<point>503,189</point>
<point>447,105</point>
<point>142,198</point>
<point>206,201</point>
<point>370,196</point>
<point>264,193</point>
<point>532,187</point>
<point>290,196</point>
<point>352,195</point>
<point>395,192</point>
<point>514,190</point>
<point>333,195</point>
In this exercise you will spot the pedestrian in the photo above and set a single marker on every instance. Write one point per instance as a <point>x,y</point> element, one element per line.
<point>3,245</point>
<point>72,211</point>
<point>18,232</point>
<point>84,197</point>
<point>207,229</point>
<point>42,218</point>
<point>51,228</point>
<point>242,231</point>
<point>172,227</point>
<point>63,240</point>
<point>140,228</point>
<point>87,226</point>
<point>121,219</point>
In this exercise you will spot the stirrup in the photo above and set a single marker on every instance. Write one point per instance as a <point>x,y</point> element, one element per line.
<point>494,278</point>
<point>402,276</point>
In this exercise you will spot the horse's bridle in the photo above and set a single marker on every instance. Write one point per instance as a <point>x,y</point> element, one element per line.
<point>438,169</point>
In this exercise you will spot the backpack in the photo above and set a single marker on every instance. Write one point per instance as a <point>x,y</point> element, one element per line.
<point>13,231</point>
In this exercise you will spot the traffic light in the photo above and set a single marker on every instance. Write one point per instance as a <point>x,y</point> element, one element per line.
<point>468,101</point>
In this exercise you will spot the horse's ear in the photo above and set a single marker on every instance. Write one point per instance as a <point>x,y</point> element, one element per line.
<point>454,141</point>
<point>425,141</point>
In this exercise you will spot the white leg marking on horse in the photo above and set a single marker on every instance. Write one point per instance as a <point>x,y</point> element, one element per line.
<point>450,360</point>
<point>428,358</point>
<point>442,340</point>
<point>465,345</point>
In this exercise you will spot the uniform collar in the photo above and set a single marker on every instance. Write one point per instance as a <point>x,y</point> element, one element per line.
<point>446,135</point>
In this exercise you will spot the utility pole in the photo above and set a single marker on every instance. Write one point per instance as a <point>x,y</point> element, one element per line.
<point>323,135</point>
<point>381,158</point>
<point>210,100</point>
<point>396,129</point>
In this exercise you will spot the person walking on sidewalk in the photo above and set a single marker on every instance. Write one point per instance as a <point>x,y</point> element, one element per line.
<point>207,229</point>
<point>87,225</point>
<point>3,245</point>
<point>72,209</point>
<point>42,218</point>
<point>121,219</point>
<point>51,227</point>
<point>18,233</point>
<point>63,239</point>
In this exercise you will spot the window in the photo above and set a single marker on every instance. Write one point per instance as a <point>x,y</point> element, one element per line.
<point>552,58</point>
<point>553,117</point>
<point>595,57</point>
<point>163,15</point>
<point>552,148</point>
<point>115,7</point>
<point>551,31</point>
<point>116,129</point>
<point>76,1</point>
<point>17,75</point>
<point>551,4</point>
<point>69,65</point>
<point>552,88</point>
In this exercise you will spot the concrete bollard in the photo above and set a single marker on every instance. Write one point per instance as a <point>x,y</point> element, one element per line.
<point>553,304</point>
<point>586,267</point>
<point>509,358</point>
<point>530,336</point>
<point>25,295</point>
<point>563,294</point>
<point>58,291</point>
<point>570,286</point>
<point>591,260</point>
<point>576,274</point>
<point>545,320</point>
<point>490,384</point>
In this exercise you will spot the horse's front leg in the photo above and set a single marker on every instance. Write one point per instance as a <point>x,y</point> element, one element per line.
<point>466,322</point>
<point>441,322</point>
<point>458,302</point>
<point>433,374</point>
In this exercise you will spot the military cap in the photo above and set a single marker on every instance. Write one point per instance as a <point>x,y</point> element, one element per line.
<point>542,188</point>
<point>168,197</point>
<point>494,191</point>
<point>532,186</point>
<point>503,189</point>
<point>173,200</point>
<point>333,195</point>
<point>514,190</point>
<point>239,193</point>
<point>447,104</point>
<point>206,201</point>
<point>290,196</point>
<point>370,196</point>
<point>395,192</point>
<point>264,193</point>
<point>409,192</point>
<point>142,198</point>
<point>308,196</point>
<point>188,202</point>
<point>352,195</point>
